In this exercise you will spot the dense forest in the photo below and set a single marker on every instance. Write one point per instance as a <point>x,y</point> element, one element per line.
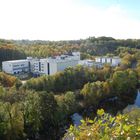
<point>18,49</point>
<point>41,108</point>
<point>9,51</point>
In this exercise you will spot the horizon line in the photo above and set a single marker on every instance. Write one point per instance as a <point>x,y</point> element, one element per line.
<point>55,40</point>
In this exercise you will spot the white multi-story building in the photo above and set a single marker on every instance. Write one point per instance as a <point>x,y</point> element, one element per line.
<point>34,65</point>
<point>15,66</point>
<point>98,59</point>
<point>90,63</point>
<point>116,61</point>
<point>46,66</point>
<point>113,61</point>
<point>59,63</point>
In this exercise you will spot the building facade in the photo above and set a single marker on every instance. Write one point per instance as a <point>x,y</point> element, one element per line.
<point>15,66</point>
<point>90,63</point>
<point>47,66</point>
<point>113,61</point>
<point>59,63</point>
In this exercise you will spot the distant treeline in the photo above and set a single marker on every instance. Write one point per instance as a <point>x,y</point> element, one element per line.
<point>9,51</point>
<point>89,46</point>
<point>18,49</point>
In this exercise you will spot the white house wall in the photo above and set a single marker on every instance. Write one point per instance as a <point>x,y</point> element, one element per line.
<point>52,68</point>
<point>42,66</point>
<point>7,67</point>
<point>63,65</point>
<point>13,67</point>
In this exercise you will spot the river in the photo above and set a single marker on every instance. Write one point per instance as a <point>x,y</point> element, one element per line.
<point>76,118</point>
<point>137,101</point>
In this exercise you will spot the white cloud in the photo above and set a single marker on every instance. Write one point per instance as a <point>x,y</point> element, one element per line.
<point>61,19</point>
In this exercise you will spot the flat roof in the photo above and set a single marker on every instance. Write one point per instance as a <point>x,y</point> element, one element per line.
<point>16,61</point>
<point>114,57</point>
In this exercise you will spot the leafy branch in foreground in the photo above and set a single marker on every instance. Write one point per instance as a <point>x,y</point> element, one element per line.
<point>106,127</point>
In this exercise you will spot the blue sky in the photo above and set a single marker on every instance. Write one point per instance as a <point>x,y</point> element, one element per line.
<point>69,19</point>
<point>131,6</point>
<point>128,4</point>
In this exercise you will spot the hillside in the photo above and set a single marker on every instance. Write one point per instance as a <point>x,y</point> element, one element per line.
<point>88,47</point>
<point>41,108</point>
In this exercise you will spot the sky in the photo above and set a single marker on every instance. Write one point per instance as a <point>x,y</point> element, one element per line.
<point>69,19</point>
